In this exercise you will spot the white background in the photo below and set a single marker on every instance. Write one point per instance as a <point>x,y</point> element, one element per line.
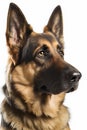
<point>37,13</point>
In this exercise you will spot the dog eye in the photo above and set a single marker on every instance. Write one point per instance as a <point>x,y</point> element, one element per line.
<point>60,51</point>
<point>42,53</point>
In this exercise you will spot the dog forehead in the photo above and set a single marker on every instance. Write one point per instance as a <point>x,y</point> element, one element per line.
<point>43,38</point>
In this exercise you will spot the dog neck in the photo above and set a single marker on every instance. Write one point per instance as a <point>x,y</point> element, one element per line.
<point>53,112</point>
<point>48,105</point>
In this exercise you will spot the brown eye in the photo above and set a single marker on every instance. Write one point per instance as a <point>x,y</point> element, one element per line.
<point>60,50</point>
<point>61,53</point>
<point>41,54</point>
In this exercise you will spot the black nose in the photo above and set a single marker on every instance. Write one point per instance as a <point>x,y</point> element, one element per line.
<point>75,77</point>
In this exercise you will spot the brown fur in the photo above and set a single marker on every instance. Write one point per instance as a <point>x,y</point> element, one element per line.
<point>30,104</point>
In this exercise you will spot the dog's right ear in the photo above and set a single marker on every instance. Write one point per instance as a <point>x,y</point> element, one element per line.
<point>17,31</point>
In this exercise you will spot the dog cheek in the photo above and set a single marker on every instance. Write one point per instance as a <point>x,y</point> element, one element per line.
<point>25,73</point>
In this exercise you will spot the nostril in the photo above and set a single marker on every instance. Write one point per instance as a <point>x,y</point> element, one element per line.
<point>75,77</point>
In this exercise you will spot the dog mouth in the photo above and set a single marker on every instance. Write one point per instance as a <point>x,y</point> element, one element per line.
<point>56,90</point>
<point>61,82</point>
<point>72,88</point>
<point>44,89</point>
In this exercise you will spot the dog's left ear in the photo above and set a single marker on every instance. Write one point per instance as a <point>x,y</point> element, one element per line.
<point>17,32</point>
<point>55,24</point>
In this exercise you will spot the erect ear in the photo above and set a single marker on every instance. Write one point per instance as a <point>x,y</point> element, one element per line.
<point>55,24</point>
<point>17,31</point>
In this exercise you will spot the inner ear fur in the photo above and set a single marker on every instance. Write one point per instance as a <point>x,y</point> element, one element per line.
<point>55,24</point>
<point>17,31</point>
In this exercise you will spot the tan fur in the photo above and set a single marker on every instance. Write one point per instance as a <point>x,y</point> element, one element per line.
<point>56,118</point>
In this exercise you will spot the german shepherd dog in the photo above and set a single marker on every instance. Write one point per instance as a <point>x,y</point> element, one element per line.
<point>37,77</point>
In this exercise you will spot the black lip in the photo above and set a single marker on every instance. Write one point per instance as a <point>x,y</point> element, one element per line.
<point>72,88</point>
<point>46,90</point>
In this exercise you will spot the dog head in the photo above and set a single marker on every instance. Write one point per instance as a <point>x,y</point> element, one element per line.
<point>37,59</point>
